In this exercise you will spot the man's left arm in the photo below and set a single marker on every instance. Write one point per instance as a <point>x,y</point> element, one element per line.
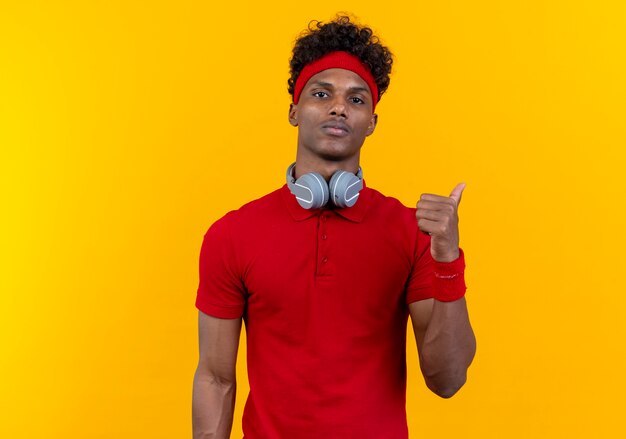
<point>444,336</point>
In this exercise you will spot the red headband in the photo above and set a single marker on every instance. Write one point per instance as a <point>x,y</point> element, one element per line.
<point>336,60</point>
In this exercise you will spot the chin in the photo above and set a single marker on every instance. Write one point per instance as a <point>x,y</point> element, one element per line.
<point>336,151</point>
<point>331,149</point>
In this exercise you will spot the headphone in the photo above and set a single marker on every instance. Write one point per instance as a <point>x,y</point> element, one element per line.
<point>312,191</point>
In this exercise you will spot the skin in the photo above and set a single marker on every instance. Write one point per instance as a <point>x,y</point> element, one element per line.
<point>334,116</point>
<point>445,340</point>
<point>333,97</point>
<point>214,384</point>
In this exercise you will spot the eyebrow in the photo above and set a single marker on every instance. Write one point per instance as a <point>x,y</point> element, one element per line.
<point>354,89</point>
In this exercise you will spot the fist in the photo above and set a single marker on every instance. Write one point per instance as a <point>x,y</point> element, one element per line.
<point>438,217</point>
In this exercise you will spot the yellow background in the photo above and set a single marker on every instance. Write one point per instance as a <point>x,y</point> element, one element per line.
<point>127,128</point>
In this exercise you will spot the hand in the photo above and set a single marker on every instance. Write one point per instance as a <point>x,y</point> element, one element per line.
<point>438,217</point>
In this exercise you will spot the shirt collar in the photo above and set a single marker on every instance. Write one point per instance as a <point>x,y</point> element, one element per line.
<point>355,213</point>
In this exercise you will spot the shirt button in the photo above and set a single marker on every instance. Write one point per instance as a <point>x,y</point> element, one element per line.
<point>324,237</point>
<point>324,259</point>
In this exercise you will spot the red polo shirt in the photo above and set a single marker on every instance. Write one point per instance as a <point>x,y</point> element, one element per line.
<point>324,296</point>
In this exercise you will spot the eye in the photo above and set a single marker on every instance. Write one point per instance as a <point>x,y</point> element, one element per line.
<point>356,100</point>
<point>320,94</point>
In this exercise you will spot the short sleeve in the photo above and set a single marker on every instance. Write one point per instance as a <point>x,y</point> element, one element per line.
<point>221,292</point>
<point>420,283</point>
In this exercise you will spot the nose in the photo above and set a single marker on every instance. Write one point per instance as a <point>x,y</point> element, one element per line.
<point>338,107</point>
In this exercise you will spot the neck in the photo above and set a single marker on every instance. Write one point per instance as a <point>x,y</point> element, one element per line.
<point>326,168</point>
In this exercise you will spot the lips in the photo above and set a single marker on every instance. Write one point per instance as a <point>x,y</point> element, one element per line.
<point>336,128</point>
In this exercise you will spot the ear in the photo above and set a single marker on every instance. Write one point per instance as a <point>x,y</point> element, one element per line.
<point>372,125</point>
<point>293,114</point>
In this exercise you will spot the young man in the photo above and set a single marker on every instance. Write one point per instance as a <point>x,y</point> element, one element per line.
<point>325,272</point>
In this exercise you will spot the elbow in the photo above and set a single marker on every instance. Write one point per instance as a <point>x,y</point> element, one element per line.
<point>228,384</point>
<point>446,374</point>
<point>226,381</point>
<point>444,380</point>
<point>446,388</point>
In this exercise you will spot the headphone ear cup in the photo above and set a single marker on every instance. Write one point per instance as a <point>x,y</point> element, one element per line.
<point>344,188</point>
<point>312,191</point>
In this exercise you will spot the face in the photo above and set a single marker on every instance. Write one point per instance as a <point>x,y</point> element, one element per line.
<point>333,116</point>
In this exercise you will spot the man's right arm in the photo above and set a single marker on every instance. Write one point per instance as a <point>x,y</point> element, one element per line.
<point>214,384</point>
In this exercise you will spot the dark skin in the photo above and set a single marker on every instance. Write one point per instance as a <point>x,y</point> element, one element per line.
<point>444,336</point>
<point>334,116</point>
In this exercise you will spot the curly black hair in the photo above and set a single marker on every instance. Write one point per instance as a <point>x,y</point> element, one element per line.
<point>341,34</point>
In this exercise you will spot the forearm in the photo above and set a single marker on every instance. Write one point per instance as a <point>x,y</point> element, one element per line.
<point>213,404</point>
<point>448,347</point>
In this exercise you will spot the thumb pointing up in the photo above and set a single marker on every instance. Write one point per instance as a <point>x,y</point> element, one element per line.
<point>457,192</point>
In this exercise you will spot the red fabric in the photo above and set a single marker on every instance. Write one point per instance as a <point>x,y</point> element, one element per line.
<point>449,279</point>
<point>324,296</point>
<point>340,60</point>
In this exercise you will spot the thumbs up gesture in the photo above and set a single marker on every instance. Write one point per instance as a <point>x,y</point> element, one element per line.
<point>438,217</point>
